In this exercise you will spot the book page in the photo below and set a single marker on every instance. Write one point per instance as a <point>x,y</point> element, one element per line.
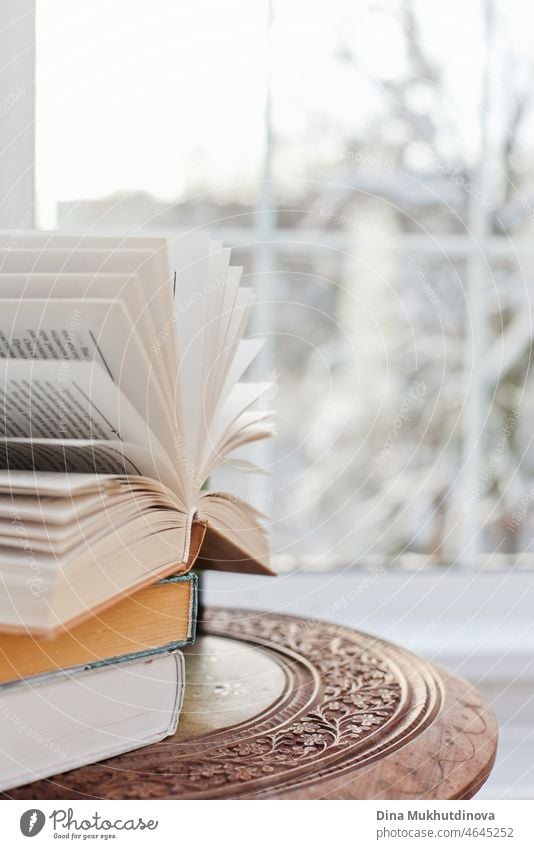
<point>221,342</point>
<point>192,290</point>
<point>119,287</point>
<point>123,288</point>
<point>105,457</point>
<point>150,267</point>
<point>236,538</point>
<point>219,262</point>
<point>231,327</point>
<point>46,509</point>
<point>70,399</point>
<point>90,329</point>
<point>245,353</point>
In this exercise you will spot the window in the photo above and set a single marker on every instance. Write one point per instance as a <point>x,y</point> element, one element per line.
<point>382,205</point>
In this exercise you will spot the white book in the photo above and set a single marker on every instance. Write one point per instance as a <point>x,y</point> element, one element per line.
<point>60,721</point>
<point>122,363</point>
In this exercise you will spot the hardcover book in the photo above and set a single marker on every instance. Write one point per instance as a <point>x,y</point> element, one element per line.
<point>158,618</point>
<point>65,719</point>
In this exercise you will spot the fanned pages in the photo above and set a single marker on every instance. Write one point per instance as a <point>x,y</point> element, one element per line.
<point>121,390</point>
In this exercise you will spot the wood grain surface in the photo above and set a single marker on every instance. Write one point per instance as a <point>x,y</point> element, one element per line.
<point>282,707</point>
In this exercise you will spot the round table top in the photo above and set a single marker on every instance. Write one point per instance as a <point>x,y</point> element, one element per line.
<point>283,707</point>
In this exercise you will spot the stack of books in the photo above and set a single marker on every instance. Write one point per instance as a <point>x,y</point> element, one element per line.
<point>121,391</point>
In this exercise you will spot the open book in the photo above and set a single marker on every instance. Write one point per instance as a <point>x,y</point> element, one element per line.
<point>121,366</point>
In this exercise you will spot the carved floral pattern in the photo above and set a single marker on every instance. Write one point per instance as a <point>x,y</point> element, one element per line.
<point>348,698</point>
<point>359,694</point>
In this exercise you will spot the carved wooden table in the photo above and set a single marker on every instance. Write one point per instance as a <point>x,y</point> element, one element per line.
<point>281,707</point>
